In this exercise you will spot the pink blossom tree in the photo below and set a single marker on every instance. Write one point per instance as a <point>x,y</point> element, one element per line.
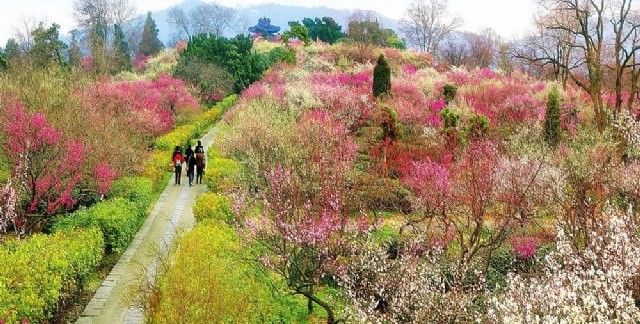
<point>46,167</point>
<point>482,197</point>
<point>303,224</point>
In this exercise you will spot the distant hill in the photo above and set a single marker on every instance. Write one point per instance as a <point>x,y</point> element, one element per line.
<point>279,14</point>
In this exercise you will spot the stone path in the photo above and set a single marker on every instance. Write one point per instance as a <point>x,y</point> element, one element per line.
<point>171,214</point>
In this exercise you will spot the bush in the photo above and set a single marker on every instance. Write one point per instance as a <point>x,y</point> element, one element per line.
<point>33,283</point>
<point>449,92</point>
<point>552,118</point>
<point>117,219</point>
<point>282,54</point>
<point>220,173</point>
<point>212,81</point>
<point>138,190</point>
<point>213,206</point>
<point>478,126</point>
<point>381,77</point>
<point>233,55</point>
<point>208,281</point>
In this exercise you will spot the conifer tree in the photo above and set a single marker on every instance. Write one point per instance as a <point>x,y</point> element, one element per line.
<point>121,55</point>
<point>75,55</point>
<point>552,118</point>
<point>381,77</point>
<point>150,43</point>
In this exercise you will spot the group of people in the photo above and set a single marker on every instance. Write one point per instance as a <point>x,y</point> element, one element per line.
<point>192,160</point>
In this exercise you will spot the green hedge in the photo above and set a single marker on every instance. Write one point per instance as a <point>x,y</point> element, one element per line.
<point>118,219</point>
<point>37,274</point>
<point>139,190</point>
<point>220,173</point>
<point>208,281</point>
<point>213,206</point>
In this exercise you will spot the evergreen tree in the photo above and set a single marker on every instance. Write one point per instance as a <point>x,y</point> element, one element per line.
<point>381,77</point>
<point>552,118</point>
<point>47,46</point>
<point>150,44</point>
<point>3,60</point>
<point>297,30</point>
<point>12,50</point>
<point>329,30</point>
<point>75,55</point>
<point>121,55</point>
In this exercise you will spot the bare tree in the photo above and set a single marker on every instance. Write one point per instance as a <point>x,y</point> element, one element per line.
<point>122,11</point>
<point>23,31</point>
<point>177,18</point>
<point>454,51</point>
<point>425,24</point>
<point>211,18</point>
<point>482,48</point>
<point>625,24</point>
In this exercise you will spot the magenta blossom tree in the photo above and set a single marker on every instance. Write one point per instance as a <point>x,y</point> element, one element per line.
<point>45,166</point>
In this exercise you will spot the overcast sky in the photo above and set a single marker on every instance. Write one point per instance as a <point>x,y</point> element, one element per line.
<point>508,18</point>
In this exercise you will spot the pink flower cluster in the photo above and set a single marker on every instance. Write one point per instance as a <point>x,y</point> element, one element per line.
<point>524,246</point>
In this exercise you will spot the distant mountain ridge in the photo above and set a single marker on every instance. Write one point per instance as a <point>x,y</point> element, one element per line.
<point>279,14</point>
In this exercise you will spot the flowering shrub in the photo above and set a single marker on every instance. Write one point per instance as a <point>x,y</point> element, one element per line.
<point>411,285</point>
<point>525,246</point>
<point>578,286</point>
<point>150,107</point>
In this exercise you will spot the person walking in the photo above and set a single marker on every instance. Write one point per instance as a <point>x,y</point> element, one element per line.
<point>188,153</point>
<point>178,161</point>
<point>191,168</point>
<point>199,166</point>
<point>199,148</point>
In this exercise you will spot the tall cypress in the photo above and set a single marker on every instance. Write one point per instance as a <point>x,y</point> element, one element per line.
<point>150,43</point>
<point>121,55</point>
<point>552,118</point>
<point>381,77</point>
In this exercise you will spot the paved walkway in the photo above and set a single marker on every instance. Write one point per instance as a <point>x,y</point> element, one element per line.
<point>171,214</point>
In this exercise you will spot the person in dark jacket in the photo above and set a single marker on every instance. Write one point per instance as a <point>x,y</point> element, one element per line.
<point>199,148</point>
<point>191,168</point>
<point>188,153</point>
<point>199,166</point>
<point>178,161</point>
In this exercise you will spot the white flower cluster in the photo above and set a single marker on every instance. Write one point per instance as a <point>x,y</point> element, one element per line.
<point>629,128</point>
<point>381,287</point>
<point>8,199</point>
<point>589,285</point>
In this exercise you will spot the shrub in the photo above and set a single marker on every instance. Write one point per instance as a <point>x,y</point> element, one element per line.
<point>552,118</point>
<point>213,206</point>
<point>381,77</point>
<point>33,283</point>
<point>211,80</point>
<point>478,126</point>
<point>139,190</point>
<point>449,92</point>
<point>208,281</point>
<point>282,54</point>
<point>117,219</point>
<point>220,173</point>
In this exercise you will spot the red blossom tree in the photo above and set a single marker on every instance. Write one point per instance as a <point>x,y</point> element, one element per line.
<point>46,167</point>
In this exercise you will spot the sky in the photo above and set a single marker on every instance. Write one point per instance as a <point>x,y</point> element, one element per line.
<point>509,18</point>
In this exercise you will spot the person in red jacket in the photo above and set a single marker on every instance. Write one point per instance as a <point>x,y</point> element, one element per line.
<point>178,161</point>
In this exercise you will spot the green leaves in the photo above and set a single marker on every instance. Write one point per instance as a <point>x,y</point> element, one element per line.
<point>33,283</point>
<point>233,55</point>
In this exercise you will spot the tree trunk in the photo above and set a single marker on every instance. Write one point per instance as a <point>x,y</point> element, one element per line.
<point>331,319</point>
